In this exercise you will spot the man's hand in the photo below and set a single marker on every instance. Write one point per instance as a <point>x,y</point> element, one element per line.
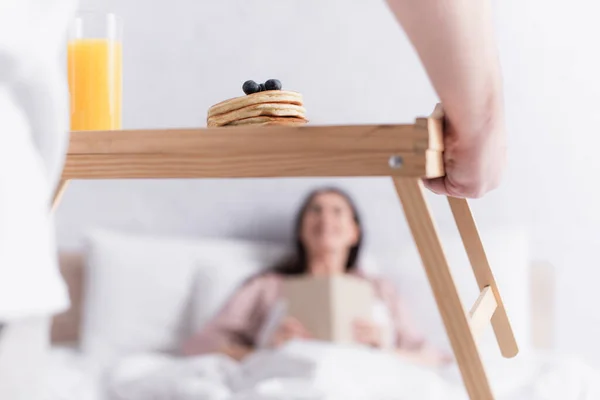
<point>454,40</point>
<point>474,161</point>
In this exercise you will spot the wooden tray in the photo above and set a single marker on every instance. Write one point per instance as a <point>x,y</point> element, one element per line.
<point>406,153</point>
<point>246,152</point>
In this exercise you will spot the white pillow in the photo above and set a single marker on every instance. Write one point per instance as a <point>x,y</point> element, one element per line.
<point>136,292</point>
<point>222,265</point>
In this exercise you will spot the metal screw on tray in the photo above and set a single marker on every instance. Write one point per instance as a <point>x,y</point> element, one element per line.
<point>395,162</point>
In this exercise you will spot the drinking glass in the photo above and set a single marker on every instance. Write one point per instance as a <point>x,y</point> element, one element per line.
<point>95,69</point>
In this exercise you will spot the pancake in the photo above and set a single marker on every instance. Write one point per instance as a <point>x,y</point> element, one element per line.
<point>268,96</point>
<point>265,120</point>
<point>257,110</point>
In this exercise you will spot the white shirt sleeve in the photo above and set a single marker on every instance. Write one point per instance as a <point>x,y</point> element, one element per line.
<point>33,140</point>
<point>33,35</point>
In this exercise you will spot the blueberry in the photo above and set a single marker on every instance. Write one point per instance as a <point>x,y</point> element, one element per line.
<point>273,84</point>
<point>250,87</point>
<point>262,87</point>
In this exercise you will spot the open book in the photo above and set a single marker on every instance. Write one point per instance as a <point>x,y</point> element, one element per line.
<point>328,306</point>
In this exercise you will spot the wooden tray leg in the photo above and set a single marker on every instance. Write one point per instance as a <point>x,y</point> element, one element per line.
<point>60,190</point>
<point>453,314</point>
<point>483,274</point>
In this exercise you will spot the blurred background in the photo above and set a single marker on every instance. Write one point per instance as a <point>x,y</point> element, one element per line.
<point>353,64</point>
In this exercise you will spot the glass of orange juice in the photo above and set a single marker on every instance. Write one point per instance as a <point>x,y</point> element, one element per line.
<point>95,66</point>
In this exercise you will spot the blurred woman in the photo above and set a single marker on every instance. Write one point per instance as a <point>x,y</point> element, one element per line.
<point>328,236</point>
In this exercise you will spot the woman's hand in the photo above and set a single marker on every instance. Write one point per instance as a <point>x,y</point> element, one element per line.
<point>368,333</point>
<point>289,329</point>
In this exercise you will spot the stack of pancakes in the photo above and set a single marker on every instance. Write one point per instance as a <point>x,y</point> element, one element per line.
<point>270,107</point>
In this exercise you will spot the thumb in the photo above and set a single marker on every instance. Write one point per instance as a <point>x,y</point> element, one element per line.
<point>436,185</point>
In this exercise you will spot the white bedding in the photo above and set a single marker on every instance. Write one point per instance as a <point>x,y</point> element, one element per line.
<point>316,371</point>
<point>71,376</point>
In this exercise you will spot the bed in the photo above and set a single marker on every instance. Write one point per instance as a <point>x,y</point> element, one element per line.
<point>135,297</point>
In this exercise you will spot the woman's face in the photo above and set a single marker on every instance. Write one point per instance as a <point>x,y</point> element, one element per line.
<point>328,225</point>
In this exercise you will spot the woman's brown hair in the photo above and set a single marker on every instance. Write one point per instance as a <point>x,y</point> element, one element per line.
<point>297,263</point>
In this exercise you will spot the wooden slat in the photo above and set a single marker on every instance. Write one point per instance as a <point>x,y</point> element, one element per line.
<point>444,289</point>
<point>482,311</point>
<point>434,125</point>
<point>60,190</point>
<point>257,139</point>
<point>234,165</point>
<point>483,273</point>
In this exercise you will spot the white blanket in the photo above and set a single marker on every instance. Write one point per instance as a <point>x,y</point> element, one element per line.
<point>316,371</point>
<point>71,376</point>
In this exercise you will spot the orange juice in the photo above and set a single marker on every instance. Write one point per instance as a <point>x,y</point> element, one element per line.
<point>95,73</point>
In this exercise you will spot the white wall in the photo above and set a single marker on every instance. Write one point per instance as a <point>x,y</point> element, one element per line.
<point>354,65</point>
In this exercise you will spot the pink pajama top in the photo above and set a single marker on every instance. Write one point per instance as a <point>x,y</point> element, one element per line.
<point>241,319</point>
